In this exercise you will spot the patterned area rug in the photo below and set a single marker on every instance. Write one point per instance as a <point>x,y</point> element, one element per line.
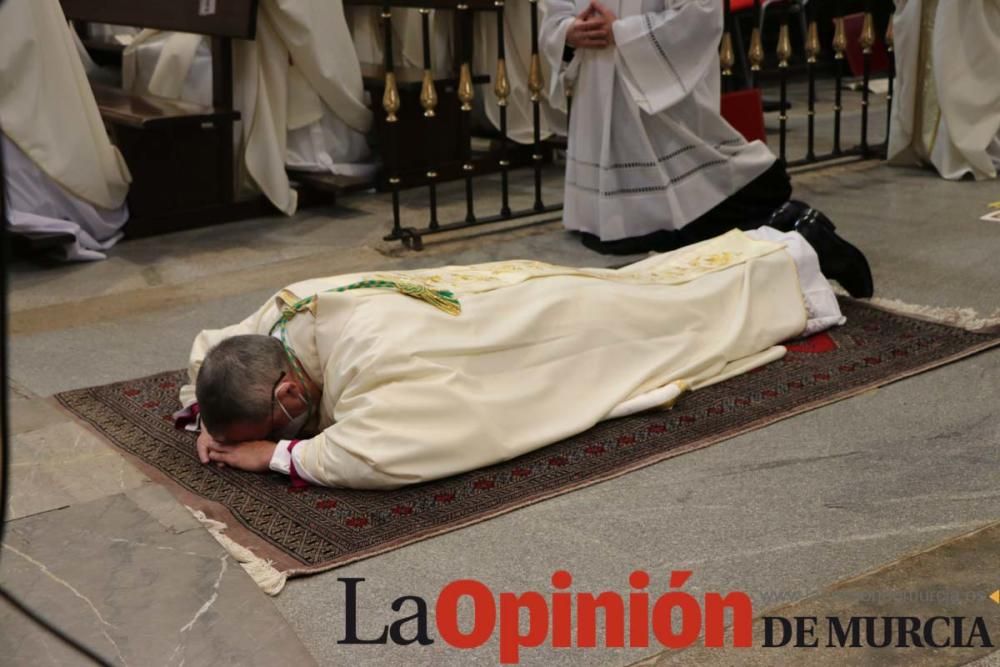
<point>318,529</point>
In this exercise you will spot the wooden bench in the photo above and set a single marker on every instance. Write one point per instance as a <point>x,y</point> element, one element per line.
<point>181,155</point>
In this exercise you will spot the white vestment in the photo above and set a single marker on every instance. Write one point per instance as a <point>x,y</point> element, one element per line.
<point>538,352</point>
<point>648,148</point>
<point>946,108</point>
<point>297,85</point>
<point>63,175</point>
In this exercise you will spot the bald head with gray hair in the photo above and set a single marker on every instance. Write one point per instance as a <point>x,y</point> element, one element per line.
<point>236,381</point>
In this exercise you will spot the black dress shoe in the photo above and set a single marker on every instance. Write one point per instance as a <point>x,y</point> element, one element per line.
<point>785,216</point>
<point>838,259</point>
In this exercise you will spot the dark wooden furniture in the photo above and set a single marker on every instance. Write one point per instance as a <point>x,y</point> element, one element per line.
<point>181,155</point>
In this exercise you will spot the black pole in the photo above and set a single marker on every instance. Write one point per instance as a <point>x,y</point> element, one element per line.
<point>391,125</point>
<point>465,95</point>
<point>4,348</point>
<point>430,116</point>
<point>866,56</point>
<point>812,47</point>
<point>783,45</point>
<point>726,54</point>
<point>536,103</point>
<point>504,162</point>
<point>838,63</point>
<point>891,52</point>
<point>755,68</point>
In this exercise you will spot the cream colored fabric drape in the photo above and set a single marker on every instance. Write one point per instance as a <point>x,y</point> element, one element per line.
<point>47,106</point>
<point>946,110</point>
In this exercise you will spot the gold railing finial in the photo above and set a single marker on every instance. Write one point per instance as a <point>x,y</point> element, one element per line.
<point>390,99</point>
<point>756,54</point>
<point>812,43</point>
<point>727,57</point>
<point>466,93</point>
<point>428,94</point>
<point>868,33</point>
<point>535,80</point>
<point>784,46</point>
<point>502,86</point>
<point>839,38</point>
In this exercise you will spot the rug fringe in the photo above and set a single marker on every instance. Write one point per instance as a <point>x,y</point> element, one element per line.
<point>963,318</point>
<point>262,571</point>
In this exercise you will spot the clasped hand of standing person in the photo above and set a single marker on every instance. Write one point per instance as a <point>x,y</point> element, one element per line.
<point>591,29</point>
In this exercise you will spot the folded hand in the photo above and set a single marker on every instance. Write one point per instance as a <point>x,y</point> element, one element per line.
<point>252,456</point>
<point>591,29</point>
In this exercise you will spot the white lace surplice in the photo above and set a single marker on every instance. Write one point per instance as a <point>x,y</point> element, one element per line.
<point>648,148</point>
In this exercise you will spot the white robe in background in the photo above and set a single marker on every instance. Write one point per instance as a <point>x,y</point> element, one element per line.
<point>946,108</point>
<point>538,352</point>
<point>407,38</point>
<point>297,86</point>
<point>648,148</point>
<point>63,175</point>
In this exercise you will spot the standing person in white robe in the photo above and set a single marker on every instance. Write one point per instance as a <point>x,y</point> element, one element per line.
<point>64,179</point>
<point>652,165</point>
<point>297,85</point>
<point>386,379</point>
<point>946,110</point>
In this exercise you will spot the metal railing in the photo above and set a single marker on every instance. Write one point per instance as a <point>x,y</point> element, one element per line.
<point>784,51</point>
<point>411,236</point>
<point>471,168</point>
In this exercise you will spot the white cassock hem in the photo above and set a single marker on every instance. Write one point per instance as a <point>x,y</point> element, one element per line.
<point>821,303</point>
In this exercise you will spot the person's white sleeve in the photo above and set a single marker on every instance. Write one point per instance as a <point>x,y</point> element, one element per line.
<point>282,459</point>
<point>559,15</point>
<point>324,462</point>
<point>664,55</point>
<point>821,303</point>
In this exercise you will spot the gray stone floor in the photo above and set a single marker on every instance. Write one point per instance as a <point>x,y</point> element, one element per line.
<point>780,513</point>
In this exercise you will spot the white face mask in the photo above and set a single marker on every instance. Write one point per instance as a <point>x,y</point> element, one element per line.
<point>294,425</point>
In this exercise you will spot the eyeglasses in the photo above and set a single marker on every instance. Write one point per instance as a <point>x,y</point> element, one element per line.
<point>274,400</point>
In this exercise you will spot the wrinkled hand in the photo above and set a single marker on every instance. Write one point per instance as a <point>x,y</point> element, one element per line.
<point>252,456</point>
<point>204,440</point>
<point>591,29</point>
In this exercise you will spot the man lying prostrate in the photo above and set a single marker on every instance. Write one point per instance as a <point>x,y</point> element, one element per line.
<point>297,86</point>
<point>66,184</point>
<point>376,381</point>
